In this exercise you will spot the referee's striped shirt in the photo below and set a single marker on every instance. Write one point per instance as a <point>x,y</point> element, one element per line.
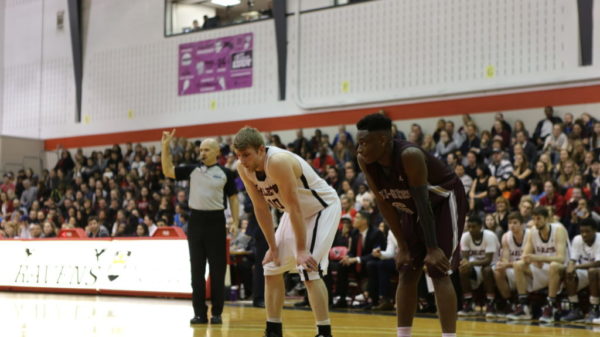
<point>209,185</point>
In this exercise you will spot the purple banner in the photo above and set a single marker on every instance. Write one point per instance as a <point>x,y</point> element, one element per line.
<point>215,65</point>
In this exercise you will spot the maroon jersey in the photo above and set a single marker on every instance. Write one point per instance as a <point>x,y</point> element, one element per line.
<point>448,202</point>
<point>393,183</point>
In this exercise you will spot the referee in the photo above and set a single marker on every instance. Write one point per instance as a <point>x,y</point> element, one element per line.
<point>210,186</point>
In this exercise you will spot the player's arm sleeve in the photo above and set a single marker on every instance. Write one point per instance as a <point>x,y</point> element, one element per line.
<point>416,171</point>
<point>183,172</point>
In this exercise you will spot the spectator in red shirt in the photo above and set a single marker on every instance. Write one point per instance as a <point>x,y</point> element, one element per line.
<point>6,205</point>
<point>553,198</point>
<point>578,183</point>
<point>323,160</point>
<point>500,130</point>
<point>7,183</point>
<point>144,202</point>
<point>347,209</point>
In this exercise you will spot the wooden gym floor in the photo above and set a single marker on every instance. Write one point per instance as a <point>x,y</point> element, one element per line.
<point>47,315</point>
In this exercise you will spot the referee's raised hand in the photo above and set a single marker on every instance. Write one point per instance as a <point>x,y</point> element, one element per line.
<point>165,155</point>
<point>167,137</point>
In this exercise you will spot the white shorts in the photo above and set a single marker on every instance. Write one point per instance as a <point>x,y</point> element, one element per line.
<point>320,232</point>
<point>540,277</point>
<point>510,277</point>
<point>582,279</point>
<point>476,282</point>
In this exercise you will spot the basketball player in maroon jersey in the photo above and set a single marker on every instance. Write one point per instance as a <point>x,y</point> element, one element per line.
<point>425,205</point>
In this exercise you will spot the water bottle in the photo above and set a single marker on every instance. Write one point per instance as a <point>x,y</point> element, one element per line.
<point>242,292</point>
<point>233,293</point>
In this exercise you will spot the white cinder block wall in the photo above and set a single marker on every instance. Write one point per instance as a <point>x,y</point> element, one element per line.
<point>374,53</point>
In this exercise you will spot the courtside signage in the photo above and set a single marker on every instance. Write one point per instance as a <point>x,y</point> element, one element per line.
<point>160,266</point>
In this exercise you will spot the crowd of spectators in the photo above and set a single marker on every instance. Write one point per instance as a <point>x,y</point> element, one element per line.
<point>121,191</point>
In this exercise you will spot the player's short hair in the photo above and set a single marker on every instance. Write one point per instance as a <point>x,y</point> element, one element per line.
<point>589,222</point>
<point>92,218</point>
<point>541,211</point>
<point>515,216</point>
<point>248,137</point>
<point>375,122</point>
<point>474,218</point>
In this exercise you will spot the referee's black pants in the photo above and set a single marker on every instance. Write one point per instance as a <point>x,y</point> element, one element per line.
<point>206,240</point>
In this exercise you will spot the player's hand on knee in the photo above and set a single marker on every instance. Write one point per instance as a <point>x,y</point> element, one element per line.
<point>304,259</point>
<point>501,266</point>
<point>272,255</point>
<point>402,258</point>
<point>465,266</point>
<point>437,260</point>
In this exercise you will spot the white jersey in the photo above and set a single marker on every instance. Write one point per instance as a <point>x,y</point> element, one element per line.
<point>581,253</point>
<point>515,250</point>
<point>477,250</point>
<point>548,247</point>
<point>314,194</point>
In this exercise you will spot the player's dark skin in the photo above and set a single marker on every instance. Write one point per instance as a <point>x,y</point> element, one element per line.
<point>466,266</point>
<point>588,235</point>
<point>377,146</point>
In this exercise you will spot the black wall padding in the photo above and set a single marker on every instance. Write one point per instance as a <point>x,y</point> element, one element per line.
<point>77,48</point>
<point>279,13</point>
<point>585,8</point>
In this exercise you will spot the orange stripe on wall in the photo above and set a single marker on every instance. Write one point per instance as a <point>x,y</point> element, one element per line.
<point>514,101</point>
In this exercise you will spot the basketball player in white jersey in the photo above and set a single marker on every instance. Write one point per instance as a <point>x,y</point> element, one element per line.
<point>585,257</point>
<point>281,179</point>
<point>513,242</point>
<point>542,264</point>
<point>479,250</point>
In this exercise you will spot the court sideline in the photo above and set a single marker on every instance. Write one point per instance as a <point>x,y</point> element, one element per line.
<point>43,315</point>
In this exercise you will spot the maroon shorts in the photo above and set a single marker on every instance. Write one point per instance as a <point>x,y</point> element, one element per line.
<point>449,209</point>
